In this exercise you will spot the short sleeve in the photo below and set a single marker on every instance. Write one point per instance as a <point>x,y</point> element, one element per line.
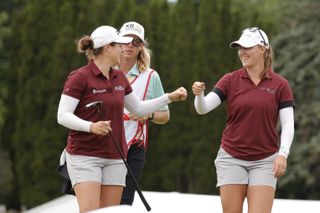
<point>285,96</point>
<point>221,87</point>
<point>155,88</point>
<point>75,85</point>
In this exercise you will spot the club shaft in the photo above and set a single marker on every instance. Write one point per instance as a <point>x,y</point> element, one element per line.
<point>144,201</point>
<point>133,177</point>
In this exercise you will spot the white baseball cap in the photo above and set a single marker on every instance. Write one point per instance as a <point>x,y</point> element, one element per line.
<point>250,37</point>
<point>104,35</point>
<point>132,28</point>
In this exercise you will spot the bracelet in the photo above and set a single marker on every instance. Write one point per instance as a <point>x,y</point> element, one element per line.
<point>151,118</point>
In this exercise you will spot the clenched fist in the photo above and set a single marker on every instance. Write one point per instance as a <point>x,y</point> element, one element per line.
<point>178,95</point>
<point>198,87</point>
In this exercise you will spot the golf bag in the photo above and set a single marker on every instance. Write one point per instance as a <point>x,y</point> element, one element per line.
<point>63,171</point>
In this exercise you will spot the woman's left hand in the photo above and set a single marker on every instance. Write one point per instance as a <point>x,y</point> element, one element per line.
<point>279,166</point>
<point>179,94</point>
<point>138,118</point>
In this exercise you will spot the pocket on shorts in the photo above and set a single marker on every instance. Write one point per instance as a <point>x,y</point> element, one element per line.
<point>266,164</point>
<point>218,162</point>
<point>271,158</point>
<point>221,154</point>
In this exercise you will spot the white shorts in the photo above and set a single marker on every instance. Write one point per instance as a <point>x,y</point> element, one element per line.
<point>231,170</point>
<point>105,171</point>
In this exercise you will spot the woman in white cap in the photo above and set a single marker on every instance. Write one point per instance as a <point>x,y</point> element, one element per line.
<point>251,157</point>
<point>96,169</point>
<point>146,84</point>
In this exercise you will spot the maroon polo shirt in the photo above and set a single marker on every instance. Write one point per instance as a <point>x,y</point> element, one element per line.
<point>88,84</point>
<point>253,112</point>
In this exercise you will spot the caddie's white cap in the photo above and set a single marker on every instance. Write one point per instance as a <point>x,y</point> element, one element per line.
<point>250,37</point>
<point>104,35</point>
<point>132,28</point>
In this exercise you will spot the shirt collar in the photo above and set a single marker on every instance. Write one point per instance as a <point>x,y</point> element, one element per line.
<point>244,74</point>
<point>134,71</point>
<point>270,74</point>
<point>96,71</point>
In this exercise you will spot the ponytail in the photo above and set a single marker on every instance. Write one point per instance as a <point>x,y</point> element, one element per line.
<point>85,45</point>
<point>268,60</point>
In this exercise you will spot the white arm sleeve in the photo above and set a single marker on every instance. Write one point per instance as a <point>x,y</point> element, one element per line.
<point>204,105</point>
<point>66,118</point>
<point>287,130</point>
<point>140,108</point>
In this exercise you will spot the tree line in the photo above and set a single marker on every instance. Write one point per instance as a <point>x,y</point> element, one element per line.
<point>189,41</point>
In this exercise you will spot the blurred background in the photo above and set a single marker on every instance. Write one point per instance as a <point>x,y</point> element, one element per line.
<point>190,41</point>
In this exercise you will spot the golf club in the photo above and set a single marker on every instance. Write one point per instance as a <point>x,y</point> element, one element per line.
<point>97,105</point>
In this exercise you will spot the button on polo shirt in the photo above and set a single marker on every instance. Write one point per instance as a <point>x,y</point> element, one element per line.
<point>88,84</point>
<point>253,111</point>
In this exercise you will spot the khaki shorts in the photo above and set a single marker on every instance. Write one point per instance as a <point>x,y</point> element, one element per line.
<point>105,171</point>
<point>231,170</point>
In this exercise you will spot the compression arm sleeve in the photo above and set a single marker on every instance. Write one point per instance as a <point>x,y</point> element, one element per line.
<point>287,130</point>
<point>66,116</point>
<point>140,108</point>
<point>204,105</point>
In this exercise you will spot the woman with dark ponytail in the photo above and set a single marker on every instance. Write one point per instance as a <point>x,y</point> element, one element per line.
<point>251,157</point>
<point>94,164</point>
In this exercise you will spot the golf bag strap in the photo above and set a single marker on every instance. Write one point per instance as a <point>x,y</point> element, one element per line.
<point>142,124</point>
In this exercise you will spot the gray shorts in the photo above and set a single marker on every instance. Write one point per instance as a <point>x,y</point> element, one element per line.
<point>105,171</point>
<point>231,170</point>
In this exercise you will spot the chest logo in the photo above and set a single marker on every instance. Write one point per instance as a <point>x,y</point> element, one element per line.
<point>268,90</point>
<point>118,88</point>
<point>99,91</point>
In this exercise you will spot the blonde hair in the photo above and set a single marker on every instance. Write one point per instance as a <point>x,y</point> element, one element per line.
<point>144,58</point>
<point>268,61</point>
<point>85,45</point>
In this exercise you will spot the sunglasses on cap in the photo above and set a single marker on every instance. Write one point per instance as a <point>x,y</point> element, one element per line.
<point>254,29</point>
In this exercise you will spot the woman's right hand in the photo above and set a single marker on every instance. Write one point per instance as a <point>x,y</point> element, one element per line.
<point>101,128</point>
<point>198,87</point>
